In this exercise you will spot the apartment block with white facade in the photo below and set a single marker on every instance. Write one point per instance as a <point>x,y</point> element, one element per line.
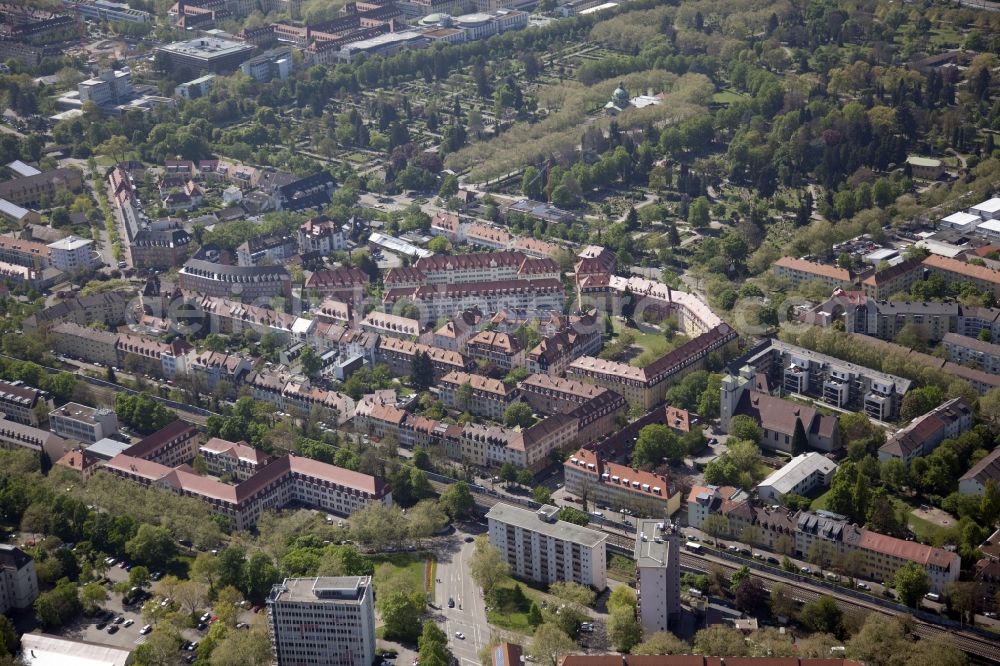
<point>658,588</point>
<point>543,549</point>
<point>326,620</point>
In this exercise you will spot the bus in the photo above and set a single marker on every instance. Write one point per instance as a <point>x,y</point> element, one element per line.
<point>693,547</point>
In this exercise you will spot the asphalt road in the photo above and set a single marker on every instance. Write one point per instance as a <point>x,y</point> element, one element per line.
<point>469,614</point>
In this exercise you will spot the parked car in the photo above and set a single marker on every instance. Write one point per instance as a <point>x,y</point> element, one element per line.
<point>128,623</point>
<point>459,635</point>
<point>113,629</point>
<point>146,629</point>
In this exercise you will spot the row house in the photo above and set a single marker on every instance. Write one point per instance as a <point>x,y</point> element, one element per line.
<point>93,345</point>
<point>165,358</point>
<point>487,398</point>
<point>377,415</point>
<point>821,535</point>
<point>606,483</point>
<point>212,367</point>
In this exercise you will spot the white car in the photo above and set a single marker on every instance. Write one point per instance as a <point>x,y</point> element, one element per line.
<point>459,635</point>
<point>146,629</point>
<point>128,623</point>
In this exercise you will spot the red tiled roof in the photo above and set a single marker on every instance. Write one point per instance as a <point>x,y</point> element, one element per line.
<point>814,268</point>
<point>907,550</point>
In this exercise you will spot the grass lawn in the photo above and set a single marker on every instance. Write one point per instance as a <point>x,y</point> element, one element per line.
<point>509,614</point>
<point>727,97</point>
<point>820,502</point>
<point>651,343</point>
<point>411,563</point>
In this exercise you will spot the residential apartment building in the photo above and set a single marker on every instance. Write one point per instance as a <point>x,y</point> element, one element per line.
<point>399,354</point>
<point>390,325</point>
<point>268,250</point>
<point>647,386</point>
<point>801,270</point>
<point>173,445</point>
<point>107,308</point>
<point>799,476</point>
<point>288,479</point>
<point>210,367</point>
<point>322,235</point>
<point>494,349</point>
<point>885,319</point>
<point>23,404</point>
<point>31,191</point>
<point>18,580</point>
<point>83,423</point>
<point>972,321</point>
<point>160,245</point>
<point>163,358</point>
<point>239,460</point>
<point>19,436</point>
<point>326,620</point>
<point>487,398</point>
<point>954,270</point>
<point>606,483</point>
<point>797,370</point>
<point>245,283</point>
<point>922,435</point>
<point>445,300</point>
<point>345,284</point>
<point>543,549</point>
<point>657,557</point>
<point>582,336</point>
<point>455,333</point>
<point>20,252</point>
<point>549,395</point>
<point>972,352</point>
<point>974,481</point>
<point>898,279</point>
<point>73,255</point>
<point>502,266</point>
<point>822,535</point>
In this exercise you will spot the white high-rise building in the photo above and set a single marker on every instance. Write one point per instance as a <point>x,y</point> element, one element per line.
<point>541,548</point>
<point>658,589</point>
<point>325,621</point>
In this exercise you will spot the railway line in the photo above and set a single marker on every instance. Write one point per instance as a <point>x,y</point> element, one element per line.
<point>982,648</point>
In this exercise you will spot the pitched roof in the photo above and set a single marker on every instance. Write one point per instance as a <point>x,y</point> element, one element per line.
<point>477,382</point>
<point>814,268</point>
<point>908,550</point>
<point>150,443</point>
<point>961,268</point>
<point>986,469</point>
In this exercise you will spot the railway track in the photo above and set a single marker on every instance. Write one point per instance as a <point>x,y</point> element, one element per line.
<point>983,649</point>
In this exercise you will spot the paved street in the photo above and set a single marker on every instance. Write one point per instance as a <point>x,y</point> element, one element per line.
<point>469,614</point>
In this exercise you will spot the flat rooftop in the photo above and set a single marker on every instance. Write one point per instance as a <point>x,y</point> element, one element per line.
<point>654,549</point>
<point>341,589</point>
<point>46,650</point>
<point>206,48</point>
<point>560,529</point>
